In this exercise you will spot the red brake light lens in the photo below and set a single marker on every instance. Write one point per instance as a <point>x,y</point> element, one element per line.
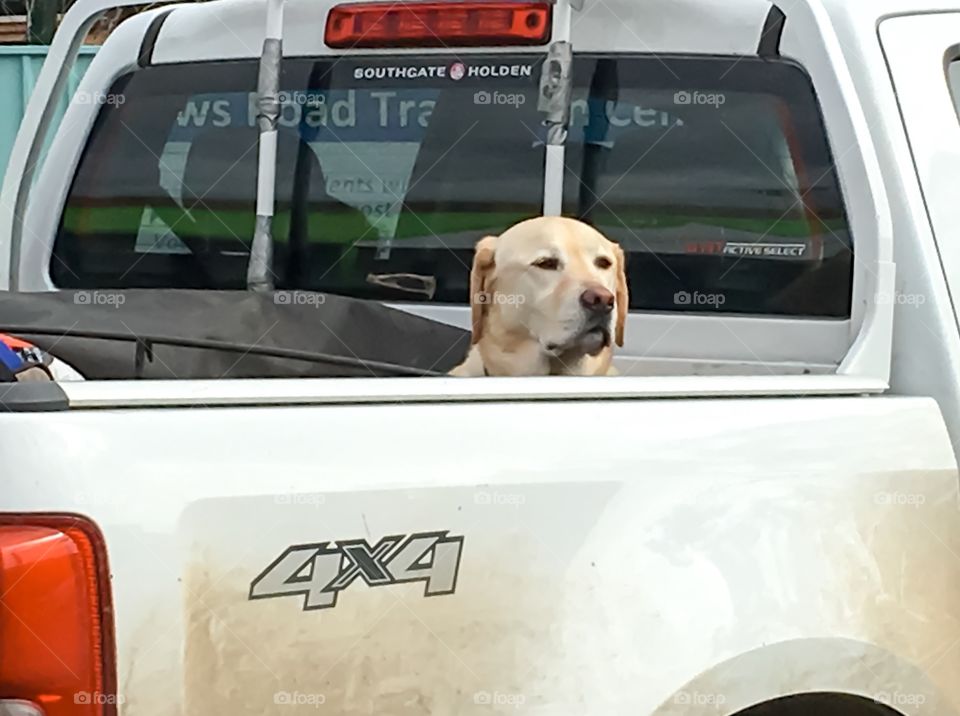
<point>438,24</point>
<point>56,626</point>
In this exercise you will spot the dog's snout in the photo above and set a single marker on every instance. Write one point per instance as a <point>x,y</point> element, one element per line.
<point>597,299</point>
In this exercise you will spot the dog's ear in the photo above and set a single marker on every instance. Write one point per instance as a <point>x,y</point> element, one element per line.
<point>480,275</point>
<point>623,295</point>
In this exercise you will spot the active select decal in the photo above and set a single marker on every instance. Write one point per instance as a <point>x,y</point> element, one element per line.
<point>319,572</point>
<point>455,71</point>
<point>747,250</point>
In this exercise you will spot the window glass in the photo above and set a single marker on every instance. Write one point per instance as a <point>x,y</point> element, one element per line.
<point>387,174</point>
<point>953,75</point>
<point>716,175</point>
<point>713,173</point>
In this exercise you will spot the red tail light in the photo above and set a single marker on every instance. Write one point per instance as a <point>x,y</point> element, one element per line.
<point>56,625</point>
<point>438,24</point>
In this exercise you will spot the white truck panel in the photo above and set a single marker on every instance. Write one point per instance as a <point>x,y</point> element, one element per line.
<point>628,557</point>
<point>334,391</point>
<point>701,26</point>
<point>926,351</point>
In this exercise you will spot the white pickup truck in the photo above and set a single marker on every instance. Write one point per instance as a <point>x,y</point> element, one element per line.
<point>759,516</point>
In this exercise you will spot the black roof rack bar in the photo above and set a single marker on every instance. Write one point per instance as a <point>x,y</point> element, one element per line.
<point>772,33</point>
<point>145,56</point>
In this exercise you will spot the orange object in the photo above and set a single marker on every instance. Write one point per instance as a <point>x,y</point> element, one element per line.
<point>438,24</point>
<point>14,342</point>
<point>56,622</point>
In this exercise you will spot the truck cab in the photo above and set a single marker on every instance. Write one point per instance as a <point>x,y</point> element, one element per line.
<point>729,169</point>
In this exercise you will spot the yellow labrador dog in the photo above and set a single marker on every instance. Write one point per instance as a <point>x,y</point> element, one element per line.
<point>548,297</point>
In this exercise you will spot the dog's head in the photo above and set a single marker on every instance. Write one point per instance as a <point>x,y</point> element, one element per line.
<point>556,281</point>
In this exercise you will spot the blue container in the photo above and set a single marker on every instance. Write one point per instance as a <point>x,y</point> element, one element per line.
<point>19,67</point>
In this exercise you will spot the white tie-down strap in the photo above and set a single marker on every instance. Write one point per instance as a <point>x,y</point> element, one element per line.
<point>260,267</point>
<point>553,102</point>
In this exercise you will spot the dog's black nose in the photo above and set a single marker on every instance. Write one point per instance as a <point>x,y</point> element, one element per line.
<point>597,299</point>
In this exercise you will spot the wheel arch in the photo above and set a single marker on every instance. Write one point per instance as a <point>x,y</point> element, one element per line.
<point>825,676</point>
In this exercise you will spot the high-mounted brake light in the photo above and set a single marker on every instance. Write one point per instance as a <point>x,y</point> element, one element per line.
<point>56,626</point>
<point>438,24</point>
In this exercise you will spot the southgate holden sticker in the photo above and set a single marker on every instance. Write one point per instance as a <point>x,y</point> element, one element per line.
<point>455,71</point>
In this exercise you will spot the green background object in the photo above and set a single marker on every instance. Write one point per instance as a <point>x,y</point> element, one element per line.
<point>19,67</point>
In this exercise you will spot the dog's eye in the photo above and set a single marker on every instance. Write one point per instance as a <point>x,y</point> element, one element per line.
<point>603,263</point>
<point>547,263</point>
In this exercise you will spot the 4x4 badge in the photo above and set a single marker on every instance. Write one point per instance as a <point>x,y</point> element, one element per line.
<point>321,571</point>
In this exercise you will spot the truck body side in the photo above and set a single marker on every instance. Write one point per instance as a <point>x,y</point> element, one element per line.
<point>630,556</point>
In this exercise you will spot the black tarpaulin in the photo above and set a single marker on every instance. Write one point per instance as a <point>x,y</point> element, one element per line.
<point>322,335</point>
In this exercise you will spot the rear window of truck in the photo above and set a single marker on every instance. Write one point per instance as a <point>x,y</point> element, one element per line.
<point>714,174</point>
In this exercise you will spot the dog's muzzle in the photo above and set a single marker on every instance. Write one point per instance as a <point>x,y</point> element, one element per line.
<point>595,336</point>
<point>597,304</point>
